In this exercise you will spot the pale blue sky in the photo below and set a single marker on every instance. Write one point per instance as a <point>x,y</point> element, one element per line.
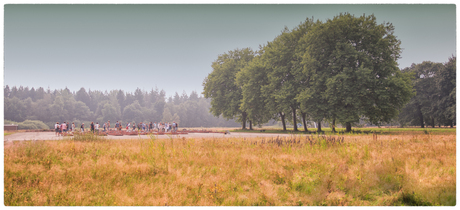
<point>106,47</point>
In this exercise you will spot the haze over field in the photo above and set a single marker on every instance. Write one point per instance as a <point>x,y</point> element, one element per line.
<point>107,47</point>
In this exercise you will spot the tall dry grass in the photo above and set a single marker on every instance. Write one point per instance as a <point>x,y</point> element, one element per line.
<point>356,170</point>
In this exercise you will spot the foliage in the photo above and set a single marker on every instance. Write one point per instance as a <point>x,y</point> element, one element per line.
<point>352,65</point>
<point>434,101</point>
<point>84,107</point>
<point>29,125</point>
<point>344,69</point>
<point>220,85</point>
<point>252,78</point>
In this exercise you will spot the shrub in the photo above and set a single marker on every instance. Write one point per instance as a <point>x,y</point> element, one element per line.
<point>32,124</point>
<point>28,124</point>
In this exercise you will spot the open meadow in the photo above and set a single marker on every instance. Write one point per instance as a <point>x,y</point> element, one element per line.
<point>335,170</point>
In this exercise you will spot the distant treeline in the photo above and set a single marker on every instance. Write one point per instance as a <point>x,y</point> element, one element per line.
<point>434,103</point>
<point>51,106</point>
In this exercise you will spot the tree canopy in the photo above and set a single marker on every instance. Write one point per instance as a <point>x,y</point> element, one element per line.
<point>221,86</point>
<point>344,69</point>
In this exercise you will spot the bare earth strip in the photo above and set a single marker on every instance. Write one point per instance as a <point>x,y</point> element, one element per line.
<point>51,136</point>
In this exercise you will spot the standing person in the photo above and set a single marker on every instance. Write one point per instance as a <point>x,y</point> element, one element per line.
<point>134,126</point>
<point>127,126</point>
<point>82,127</point>
<point>155,125</point>
<point>62,128</point>
<point>143,126</point>
<point>56,128</point>
<point>104,126</point>
<point>174,126</point>
<point>139,126</point>
<point>92,127</point>
<point>150,126</point>
<point>108,125</point>
<point>96,127</point>
<point>177,126</point>
<point>73,127</point>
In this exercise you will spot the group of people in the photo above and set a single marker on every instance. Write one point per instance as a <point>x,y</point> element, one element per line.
<point>152,126</point>
<point>160,127</point>
<point>60,128</point>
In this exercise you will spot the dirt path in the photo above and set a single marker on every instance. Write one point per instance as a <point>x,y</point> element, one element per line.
<point>21,136</point>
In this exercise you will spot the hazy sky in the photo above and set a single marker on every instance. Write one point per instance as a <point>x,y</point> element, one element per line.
<point>106,47</point>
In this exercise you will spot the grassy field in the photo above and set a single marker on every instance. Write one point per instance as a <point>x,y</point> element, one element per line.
<point>353,170</point>
<point>369,130</point>
<point>6,133</point>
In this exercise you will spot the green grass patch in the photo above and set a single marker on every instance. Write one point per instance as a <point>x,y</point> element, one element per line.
<point>356,131</point>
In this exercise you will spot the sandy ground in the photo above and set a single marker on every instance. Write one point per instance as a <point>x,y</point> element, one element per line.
<point>21,136</point>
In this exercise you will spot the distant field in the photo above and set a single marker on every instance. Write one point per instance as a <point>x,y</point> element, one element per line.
<point>352,170</point>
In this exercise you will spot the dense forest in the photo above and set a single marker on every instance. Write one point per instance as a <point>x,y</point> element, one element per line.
<point>341,71</point>
<point>51,106</point>
<point>434,102</point>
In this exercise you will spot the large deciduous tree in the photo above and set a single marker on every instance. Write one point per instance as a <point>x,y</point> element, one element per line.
<point>251,79</point>
<point>220,85</point>
<point>351,64</point>
<point>284,73</point>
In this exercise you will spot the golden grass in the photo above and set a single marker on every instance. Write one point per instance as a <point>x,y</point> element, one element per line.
<point>356,170</point>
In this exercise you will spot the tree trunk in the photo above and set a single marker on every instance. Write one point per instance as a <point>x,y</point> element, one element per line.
<point>283,121</point>
<point>348,127</point>
<point>432,122</point>
<point>319,126</point>
<point>250,124</point>
<point>451,124</point>
<point>333,125</point>
<point>304,115</point>
<point>294,118</point>
<point>421,116</point>
<point>244,120</point>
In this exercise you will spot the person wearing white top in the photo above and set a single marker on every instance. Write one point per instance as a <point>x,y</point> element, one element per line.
<point>96,127</point>
<point>56,128</point>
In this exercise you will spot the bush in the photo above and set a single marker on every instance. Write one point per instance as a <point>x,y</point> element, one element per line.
<point>8,122</point>
<point>32,125</point>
